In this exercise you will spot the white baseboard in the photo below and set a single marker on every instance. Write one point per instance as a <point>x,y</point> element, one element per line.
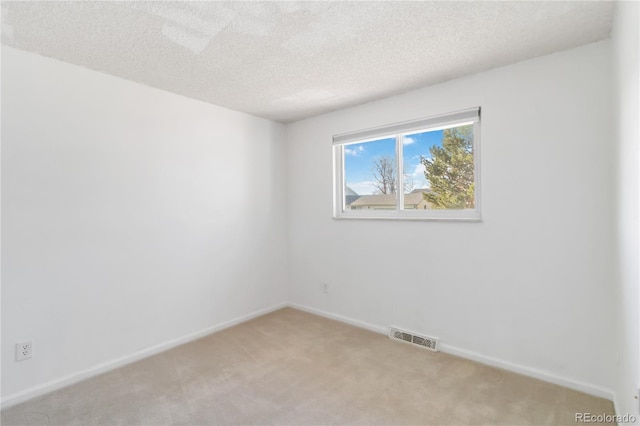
<point>347,320</point>
<point>529,371</point>
<point>50,386</point>
<point>65,381</point>
<point>478,357</point>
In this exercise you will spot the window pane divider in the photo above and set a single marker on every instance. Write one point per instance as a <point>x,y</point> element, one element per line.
<point>344,206</point>
<point>399,173</point>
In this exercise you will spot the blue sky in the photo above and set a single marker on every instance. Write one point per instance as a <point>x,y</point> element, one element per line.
<point>359,159</point>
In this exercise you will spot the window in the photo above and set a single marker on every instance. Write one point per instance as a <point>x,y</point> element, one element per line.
<point>439,160</point>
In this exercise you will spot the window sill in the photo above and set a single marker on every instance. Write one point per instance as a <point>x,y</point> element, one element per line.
<point>441,216</point>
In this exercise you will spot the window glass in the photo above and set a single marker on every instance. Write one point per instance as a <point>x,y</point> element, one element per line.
<point>421,169</point>
<point>371,177</point>
<point>439,169</point>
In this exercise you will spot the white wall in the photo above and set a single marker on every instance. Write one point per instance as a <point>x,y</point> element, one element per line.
<point>529,288</point>
<point>133,218</point>
<point>626,51</point>
<point>130,217</point>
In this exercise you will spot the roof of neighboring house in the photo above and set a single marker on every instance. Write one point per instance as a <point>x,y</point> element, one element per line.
<point>423,190</point>
<point>377,199</point>
<point>412,198</point>
<point>349,191</point>
<point>349,199</point>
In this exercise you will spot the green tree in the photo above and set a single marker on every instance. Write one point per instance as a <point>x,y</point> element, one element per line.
<point>450,170</point>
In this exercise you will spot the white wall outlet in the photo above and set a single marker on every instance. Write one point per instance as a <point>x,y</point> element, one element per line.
<point>325,288</point>
<point>24,350</point>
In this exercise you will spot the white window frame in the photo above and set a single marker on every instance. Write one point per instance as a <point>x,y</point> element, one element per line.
<point>398,130</point>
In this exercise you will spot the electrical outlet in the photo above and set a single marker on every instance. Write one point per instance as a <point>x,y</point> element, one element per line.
<point>24,350</point>
<point>325,288</point>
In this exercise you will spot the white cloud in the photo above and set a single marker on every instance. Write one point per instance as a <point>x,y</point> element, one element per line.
<point>406,140</point>
<point>354,152</point>
<point>362,188</point>
<point>419,181</point>
<point>418,170</point>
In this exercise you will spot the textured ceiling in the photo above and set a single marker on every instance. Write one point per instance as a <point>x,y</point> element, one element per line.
<point>291,60</point>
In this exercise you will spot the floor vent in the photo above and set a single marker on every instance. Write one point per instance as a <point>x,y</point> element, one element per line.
<point>430,343</point>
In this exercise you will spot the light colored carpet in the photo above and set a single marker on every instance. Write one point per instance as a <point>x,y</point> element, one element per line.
<point>294,368</point>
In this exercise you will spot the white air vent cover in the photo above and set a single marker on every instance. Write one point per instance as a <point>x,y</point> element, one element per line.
<point>430,343</point>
